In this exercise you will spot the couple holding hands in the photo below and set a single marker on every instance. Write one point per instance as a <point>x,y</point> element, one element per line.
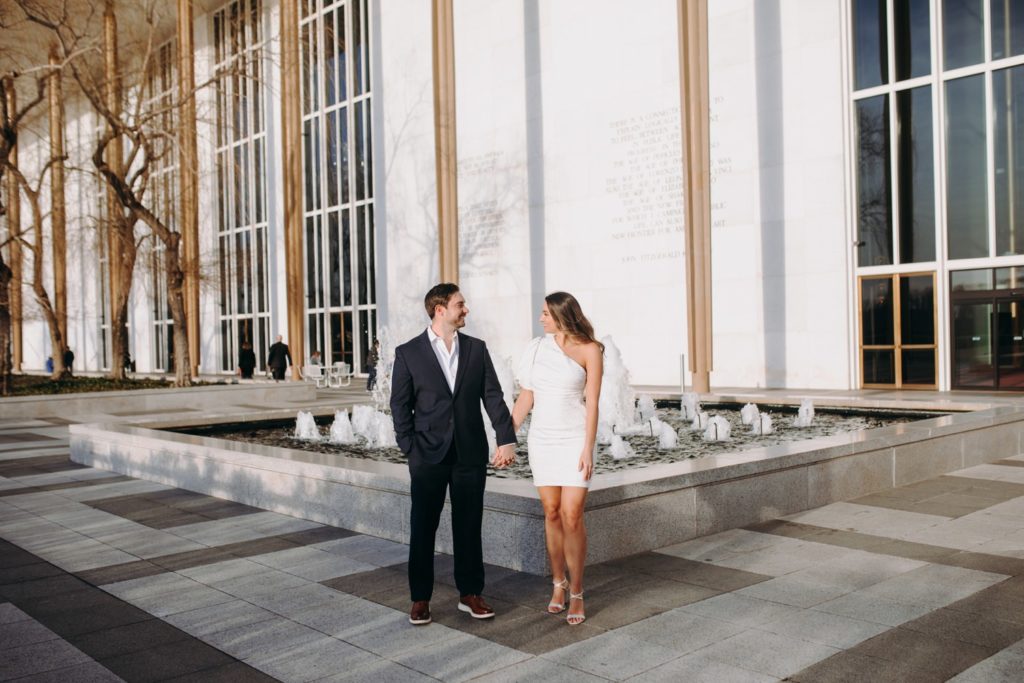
<point>439,379</point>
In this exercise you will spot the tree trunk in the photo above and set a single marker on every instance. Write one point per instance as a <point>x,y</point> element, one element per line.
<point>5,327</point>
<point>123,249</point>
<point>176,301</point>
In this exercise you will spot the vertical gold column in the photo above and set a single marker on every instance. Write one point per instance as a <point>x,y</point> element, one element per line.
<point>15,253</point>
<point>58,215</point>
<point>695,115</point>
<point>114,158</point>
<point>445,155</point>
<point>188,214</point>
<point>291,147</point>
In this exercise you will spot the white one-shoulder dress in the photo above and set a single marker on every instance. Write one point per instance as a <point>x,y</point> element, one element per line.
<point>558,423</point>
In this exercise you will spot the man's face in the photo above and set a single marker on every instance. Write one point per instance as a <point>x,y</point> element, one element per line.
<point>455,312</point>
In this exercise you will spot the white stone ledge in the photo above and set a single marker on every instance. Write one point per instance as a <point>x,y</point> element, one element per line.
<point>627,512</point>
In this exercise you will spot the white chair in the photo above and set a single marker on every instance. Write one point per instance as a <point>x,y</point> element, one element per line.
<point>315,373</point>
<point>341,375</point>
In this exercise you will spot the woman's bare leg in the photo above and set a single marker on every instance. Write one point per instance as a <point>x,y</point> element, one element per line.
<point>551,499</point>
<point>575,541</point>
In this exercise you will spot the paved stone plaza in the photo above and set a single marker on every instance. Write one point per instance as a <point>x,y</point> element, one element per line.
<point>104,577</point>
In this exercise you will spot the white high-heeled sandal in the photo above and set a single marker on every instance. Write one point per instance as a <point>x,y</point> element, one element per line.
<point>575,618</point>
<point>559,607</point>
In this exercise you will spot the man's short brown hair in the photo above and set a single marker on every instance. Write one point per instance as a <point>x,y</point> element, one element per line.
<point>439,295</point>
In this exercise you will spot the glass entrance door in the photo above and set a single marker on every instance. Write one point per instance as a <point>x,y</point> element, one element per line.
<point>973,345</point>
<point>897,331</point>
<point>1009,332</point>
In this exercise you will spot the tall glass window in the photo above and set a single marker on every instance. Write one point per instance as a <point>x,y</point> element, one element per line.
<point>1008,131</point>
<point>895,155</point>
<point>241,148</point>
<point>912,29</point>
<point>916,175</point>
<point>955,95</point>
<point>341,298</point>
<point>966,173</point>
<point>871,53</point>
<point>874,182</point>
<point>161,85</point>
<point>1007,28</point>
<point>963,35</point>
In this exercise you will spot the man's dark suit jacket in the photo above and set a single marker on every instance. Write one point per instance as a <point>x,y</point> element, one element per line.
<point>278,356</point>
<point>429,416</point>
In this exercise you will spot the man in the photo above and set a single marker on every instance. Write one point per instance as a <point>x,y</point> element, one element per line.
<point>438,381</point>
<point>278,358</point>
<point>246,360</point>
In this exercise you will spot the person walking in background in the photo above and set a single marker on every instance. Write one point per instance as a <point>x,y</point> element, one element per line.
<point>279,358</point>
<point>69,360</point>
<point>246,361</point>
<point>372,359</point>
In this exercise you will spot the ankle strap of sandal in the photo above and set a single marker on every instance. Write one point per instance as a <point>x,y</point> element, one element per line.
<point>576,596</point>
<point>563,584</point>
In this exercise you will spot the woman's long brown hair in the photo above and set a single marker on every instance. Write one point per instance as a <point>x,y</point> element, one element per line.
<point>569,318</point>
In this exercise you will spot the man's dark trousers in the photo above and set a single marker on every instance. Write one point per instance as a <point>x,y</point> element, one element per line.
<point>465,482</point>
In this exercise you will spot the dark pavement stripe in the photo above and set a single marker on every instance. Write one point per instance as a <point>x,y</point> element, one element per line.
<point>126,640</point>
<point>64,485</point>
<point>195,558</point>
<point>882,545</point>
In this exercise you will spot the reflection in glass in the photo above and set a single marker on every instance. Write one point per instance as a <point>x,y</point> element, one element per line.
<point>966,176</point>
<point>333,259</point>
<point>346,255</point>
<point>962,33</point>
<point>1007,28</point>
<point>330,61</point>
<point>876,311</point>
<point>874,194</point>
<point>879,366</point>
<point>1010,278</point>
<point>871,65</point>
<point>1010,342</point>
<point>971,280</point>
<point>916,175</point>
<point>917,310</point>
<point>918,366</point>
<point>1008,131</point>
<point>972,345</point>
<point>331,138</point>
<point>358,47</point>
<point>912,29</point>
<point>361,253</point>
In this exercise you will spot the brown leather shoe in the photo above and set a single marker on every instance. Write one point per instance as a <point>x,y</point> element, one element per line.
<point>475,605</point>
<point>419,615</point>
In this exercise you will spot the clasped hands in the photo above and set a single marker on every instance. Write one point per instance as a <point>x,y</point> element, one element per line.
<point>505,456</point>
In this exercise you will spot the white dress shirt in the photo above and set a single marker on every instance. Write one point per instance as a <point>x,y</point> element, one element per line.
<point>449,360</point>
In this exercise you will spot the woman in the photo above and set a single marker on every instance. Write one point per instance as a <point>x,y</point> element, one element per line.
<point>560,377</point>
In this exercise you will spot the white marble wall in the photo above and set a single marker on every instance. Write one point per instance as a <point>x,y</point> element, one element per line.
<point>781,301</point>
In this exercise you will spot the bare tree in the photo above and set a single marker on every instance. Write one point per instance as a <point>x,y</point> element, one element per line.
<point>11,123</point>
<point>148,133</point>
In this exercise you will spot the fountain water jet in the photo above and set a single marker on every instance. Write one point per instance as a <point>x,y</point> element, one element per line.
<point>762,425</point>
<point>305,427</point>
<point>341,429</point>
<point>718,429</point>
